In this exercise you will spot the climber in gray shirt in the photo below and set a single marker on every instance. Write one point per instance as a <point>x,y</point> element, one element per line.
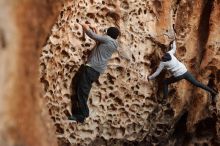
<point>103,52</point>
<point>179,72</point>
<point>90,72</point>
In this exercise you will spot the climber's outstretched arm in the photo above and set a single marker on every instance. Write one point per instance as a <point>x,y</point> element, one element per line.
<point>157,72</point>
<point>173,50</point>
<point>92,34</point>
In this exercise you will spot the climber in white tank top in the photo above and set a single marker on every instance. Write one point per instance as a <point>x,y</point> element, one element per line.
<point>179,72</point>
<point>170,62</point>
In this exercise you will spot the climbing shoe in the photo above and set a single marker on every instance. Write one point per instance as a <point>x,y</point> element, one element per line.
<point>77,119</point>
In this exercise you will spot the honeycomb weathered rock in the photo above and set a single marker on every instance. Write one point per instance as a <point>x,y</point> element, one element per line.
<point>124,109</point>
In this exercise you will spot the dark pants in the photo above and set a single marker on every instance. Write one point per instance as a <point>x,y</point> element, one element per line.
<point>82,84</point>
<point>187,76</point>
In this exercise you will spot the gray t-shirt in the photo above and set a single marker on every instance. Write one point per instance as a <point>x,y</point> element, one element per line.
<point>102,52</point>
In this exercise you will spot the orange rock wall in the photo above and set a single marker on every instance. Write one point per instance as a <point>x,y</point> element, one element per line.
<point>24,26</point>
<point>125,109</point>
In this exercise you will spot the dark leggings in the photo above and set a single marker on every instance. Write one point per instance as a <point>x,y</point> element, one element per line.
<point>187,76</point>
<point>82,85</point>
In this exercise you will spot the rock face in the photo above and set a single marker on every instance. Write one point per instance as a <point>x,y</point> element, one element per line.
<point>125,109</point>
<point>24,26</point>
